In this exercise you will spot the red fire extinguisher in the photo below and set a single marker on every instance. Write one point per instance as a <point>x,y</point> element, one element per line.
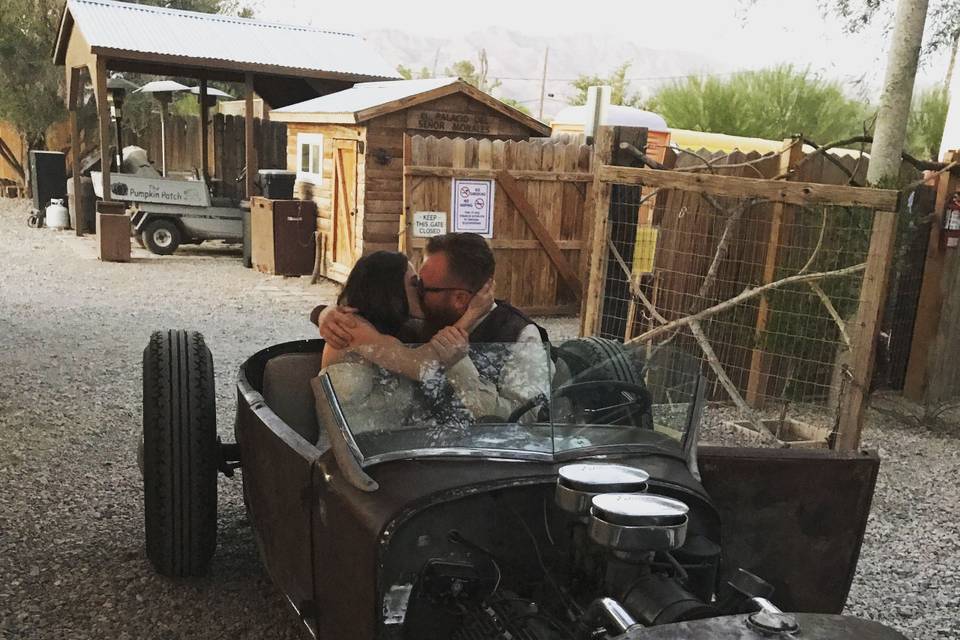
<point>951,221</point>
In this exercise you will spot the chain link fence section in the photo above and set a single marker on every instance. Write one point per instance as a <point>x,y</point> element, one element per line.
<point>781,355</point>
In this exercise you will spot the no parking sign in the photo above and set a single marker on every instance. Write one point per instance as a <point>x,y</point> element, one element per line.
<point>473,206</point>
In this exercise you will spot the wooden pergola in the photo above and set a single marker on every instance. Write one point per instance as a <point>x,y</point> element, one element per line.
<point>282,64</point>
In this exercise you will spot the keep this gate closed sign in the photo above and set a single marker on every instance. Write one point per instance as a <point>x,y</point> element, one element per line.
<point>473,206</point>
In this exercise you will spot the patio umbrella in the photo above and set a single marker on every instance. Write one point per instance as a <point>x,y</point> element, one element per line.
<point>163,91</point>
<point>211,91</point>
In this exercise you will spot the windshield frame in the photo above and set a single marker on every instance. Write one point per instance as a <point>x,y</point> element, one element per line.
<point>684,449</point>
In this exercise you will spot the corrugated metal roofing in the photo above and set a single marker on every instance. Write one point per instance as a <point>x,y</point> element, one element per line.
<point>186,34</point>
<point>366,95</point>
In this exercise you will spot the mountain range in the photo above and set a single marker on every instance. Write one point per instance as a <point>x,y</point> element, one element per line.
<point>516,60</point>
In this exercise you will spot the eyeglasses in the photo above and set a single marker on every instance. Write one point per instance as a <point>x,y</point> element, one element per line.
<point>422,289</point>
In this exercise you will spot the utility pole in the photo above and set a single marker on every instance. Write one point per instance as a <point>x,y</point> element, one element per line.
<point>543,82</point>
<point>885,153</point>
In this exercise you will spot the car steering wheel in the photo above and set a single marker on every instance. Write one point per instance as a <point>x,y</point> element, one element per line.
<point>643,396</point>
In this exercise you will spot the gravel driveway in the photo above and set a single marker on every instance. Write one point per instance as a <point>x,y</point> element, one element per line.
<point>72,562</point>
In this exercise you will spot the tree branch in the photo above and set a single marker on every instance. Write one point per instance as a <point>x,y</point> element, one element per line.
<point>743,297</point>
<point>828,305</point>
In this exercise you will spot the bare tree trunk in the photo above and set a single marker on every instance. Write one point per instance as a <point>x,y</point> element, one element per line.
<point>953,59</point>
<point>897,91</point>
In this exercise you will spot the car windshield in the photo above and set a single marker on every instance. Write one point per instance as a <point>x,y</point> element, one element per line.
<point>516,400</point>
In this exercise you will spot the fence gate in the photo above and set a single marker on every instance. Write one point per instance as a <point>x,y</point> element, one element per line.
<point>534,200</point>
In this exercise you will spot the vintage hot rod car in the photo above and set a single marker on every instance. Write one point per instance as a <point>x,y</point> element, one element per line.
<point>387,509</point>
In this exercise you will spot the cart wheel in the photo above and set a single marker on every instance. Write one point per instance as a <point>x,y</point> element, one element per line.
<point>180,453</point>
<point>161,237</point>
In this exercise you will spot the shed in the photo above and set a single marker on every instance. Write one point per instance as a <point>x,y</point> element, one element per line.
<point>347,150</point>
<point>283,64</point>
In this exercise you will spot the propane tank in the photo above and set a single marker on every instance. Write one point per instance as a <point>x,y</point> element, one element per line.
<point>56,215</point>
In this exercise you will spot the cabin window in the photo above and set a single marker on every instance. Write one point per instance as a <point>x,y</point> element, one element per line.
<point>310,157</point>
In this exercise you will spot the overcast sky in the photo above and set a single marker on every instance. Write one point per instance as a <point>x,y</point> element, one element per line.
<point>737,35</point>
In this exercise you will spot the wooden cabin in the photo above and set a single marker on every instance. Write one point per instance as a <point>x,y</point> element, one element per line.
<point>347,151</point>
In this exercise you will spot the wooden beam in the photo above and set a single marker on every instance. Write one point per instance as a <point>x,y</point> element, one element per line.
<point>406,218</point>
<point>509,186</point>
<point>931,297</point>
<point>520,243</point>
<point>250,149</point>
<point>597,272</point>
<point>204,133</point>
<point>517,174</point>
<point>103,113</point>
<point>873,292</point>
<point>789,156</point>
<point>801,193</point>
<point>73,104</point>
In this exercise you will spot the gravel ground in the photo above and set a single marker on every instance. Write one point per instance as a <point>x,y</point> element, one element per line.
<point>72,561</point>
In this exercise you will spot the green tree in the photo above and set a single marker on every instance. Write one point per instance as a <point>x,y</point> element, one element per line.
<point>409,74</point>
<point>927,120</point>
<point>617,81</point>
<point>516,104</point>
<point>475,75</point>
<point>770,103</point>
<point>31,87</point>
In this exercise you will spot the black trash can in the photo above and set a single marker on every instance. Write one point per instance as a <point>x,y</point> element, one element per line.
<point>277,183</point>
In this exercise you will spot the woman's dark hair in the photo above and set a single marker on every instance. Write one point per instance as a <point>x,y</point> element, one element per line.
<point>376,288</point>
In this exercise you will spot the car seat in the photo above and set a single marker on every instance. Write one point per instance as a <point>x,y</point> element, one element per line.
<point>287,391</point>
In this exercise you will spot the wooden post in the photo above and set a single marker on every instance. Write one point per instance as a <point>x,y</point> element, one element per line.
<point>863,350</point>
<point>103,113</point>
<point>250,149</point>
<point>592,303</point>
<point>931,297</point>
<point>406,215</point>
<point>73,103</point>
<point>756,382</point>
<point>204,134</point>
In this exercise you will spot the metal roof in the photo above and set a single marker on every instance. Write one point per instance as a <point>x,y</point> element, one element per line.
<point>117,27</point>
<point>366,95</point>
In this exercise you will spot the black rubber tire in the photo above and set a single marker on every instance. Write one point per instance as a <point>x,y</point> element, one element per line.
<point>180,453</point>
<point>165,229</point>
<point>598,359</point>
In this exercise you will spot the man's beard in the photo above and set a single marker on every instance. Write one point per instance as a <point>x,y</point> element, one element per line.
<point>436,319</point>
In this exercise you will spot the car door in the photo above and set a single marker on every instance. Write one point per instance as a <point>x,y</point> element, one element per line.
<point>279,479</point>
<point>794,517</point>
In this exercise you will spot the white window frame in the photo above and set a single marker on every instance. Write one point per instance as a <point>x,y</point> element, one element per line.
<point>311,140</point>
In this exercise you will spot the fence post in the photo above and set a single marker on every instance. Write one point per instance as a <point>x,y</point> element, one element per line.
<point>597,269</point>
<point>790,154</point>
<point>931,294</point>
<point>863,348</point>
<point>406,215</point>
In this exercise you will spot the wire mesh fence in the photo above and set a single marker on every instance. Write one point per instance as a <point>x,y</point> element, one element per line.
<point>763,295</point>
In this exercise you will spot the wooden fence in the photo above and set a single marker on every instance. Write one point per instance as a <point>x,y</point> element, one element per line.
<point>543,204</point>
<point>227,151</point>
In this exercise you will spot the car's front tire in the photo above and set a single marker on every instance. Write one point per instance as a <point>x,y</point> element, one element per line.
<point>180,453</point>
<point>162,237</point>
